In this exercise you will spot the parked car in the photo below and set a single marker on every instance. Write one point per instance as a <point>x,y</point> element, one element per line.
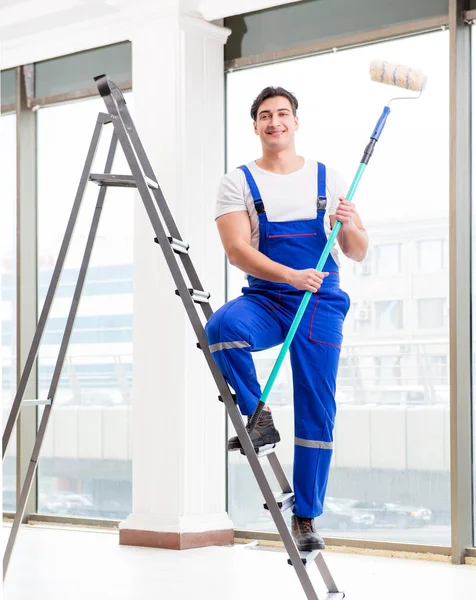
<point>339,515</point>
<point>395,515</point>
<point>67,503</point>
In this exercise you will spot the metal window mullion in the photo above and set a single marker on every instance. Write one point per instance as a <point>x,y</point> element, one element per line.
<point>26,277</point>
<point>460,281</point>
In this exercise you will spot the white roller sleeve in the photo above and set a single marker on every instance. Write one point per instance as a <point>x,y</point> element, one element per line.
<point>398,75</point>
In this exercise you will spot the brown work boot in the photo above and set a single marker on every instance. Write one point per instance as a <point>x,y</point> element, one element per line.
<point>305,535</point>
<point>264,432</point>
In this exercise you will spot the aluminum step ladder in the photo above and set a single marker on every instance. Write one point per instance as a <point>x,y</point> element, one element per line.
<point>194,298</point>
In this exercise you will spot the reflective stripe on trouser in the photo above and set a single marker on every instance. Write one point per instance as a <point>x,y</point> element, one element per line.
<point>261,320</point>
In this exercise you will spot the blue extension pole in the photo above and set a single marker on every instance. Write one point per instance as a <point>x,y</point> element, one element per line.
<point>325,253</point>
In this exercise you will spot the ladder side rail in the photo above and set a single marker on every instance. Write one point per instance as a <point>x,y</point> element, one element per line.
<point>170,256</point>
<point>270,499</point>
<point>117,105</point>
<point>279,473</point>
<point>26,487</point>
<point>326,574</point>
<point>162,204</point>
<point>13,416</point>
<point>82,275</point>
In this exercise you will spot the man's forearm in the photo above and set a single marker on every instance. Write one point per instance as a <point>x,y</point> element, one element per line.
<point>353,241</point>
<point>257,264</point>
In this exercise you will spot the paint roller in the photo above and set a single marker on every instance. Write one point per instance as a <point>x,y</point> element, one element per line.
<point>383,72</point>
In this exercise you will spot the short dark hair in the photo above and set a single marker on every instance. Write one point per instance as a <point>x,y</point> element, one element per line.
<point>272,92</point>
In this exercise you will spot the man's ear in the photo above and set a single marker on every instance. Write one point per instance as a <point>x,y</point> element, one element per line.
<point>296,122</point>
<point>255,127</point>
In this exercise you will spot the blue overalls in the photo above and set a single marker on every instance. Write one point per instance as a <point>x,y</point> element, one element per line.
<point>261,318</point>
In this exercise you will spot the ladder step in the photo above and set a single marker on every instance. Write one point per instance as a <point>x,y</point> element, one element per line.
<point>284,501</point>
<point>36,402</point>
<point>263,451</point>
<point>178,246</point>
<point>198,296</point>
<point>119,180</point>
<point>307,558</point>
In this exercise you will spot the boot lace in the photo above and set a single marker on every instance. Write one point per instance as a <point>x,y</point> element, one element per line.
<point>305,525</point>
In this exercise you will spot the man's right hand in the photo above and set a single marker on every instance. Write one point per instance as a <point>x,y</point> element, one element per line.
<point>306,279</point>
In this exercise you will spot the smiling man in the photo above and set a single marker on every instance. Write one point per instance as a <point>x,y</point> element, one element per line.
<point>274,216</point>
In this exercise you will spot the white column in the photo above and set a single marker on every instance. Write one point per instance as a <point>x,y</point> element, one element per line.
<point>178,423</point>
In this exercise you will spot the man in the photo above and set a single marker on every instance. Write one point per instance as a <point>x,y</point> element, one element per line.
<point>274,217</point>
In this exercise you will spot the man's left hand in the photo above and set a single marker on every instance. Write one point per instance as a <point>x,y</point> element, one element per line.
<point>345,212</point>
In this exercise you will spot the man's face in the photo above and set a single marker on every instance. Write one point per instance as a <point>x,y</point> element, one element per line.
<point>275,123</point>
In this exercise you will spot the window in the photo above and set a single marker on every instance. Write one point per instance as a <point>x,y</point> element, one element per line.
<point>388,259</point>
<point>388,371</point>
<point>431,255</point>
<point>431,313</point>
<point>389,315</point>
<point>8,292</point>
<point>74,72</point>
<point>379,435</point>
<point>86,463</point>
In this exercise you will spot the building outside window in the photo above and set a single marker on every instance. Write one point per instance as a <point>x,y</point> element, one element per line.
<point>388,259</point>
<point>431,255</point>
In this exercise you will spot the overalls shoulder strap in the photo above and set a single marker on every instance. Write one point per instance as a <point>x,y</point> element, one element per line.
<point>255,193</point>
<point>321,187</point>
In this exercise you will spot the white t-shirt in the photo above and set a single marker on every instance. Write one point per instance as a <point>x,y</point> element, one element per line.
<point>289,197</point>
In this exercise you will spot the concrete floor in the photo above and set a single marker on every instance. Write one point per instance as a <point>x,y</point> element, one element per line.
<point>68,564</point>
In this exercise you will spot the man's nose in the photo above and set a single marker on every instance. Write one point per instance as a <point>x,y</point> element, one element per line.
<point>275,120</point>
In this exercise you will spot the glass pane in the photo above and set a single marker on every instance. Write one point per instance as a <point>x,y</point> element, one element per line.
<point>85,468</point>
<point>76,71</point>
<point>390,472</point>
<point>7,85</point>
<point>432,313</point>
<point>302,23</point>
<point>8,292</point>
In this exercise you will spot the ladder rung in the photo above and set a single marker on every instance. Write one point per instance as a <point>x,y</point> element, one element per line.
<point>119,180</point>
<point>178,246</point>
<point>198,296</point>
<point>36,402</point>
<point>284,501</point>
<point>307,559</point>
